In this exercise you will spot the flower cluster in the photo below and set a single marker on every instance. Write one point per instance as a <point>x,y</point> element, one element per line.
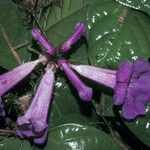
<point>131,85</point>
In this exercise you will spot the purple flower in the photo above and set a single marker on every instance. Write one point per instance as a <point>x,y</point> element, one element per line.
<point>79,30</point>
<point>132,87</point>
<point>37,34</point>
<point>2,112</point>
<point>11,78</point>
<point>84,91</point>
<point>33,125</point>
<point>131,84</point>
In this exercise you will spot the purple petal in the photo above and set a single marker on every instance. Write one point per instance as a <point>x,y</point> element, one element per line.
<point>141,88</point>
<point>11,78</point>
<point>24,127</point>
<point>37,34</point>
<point>132,108</point>
<point>27,133</point>
<point>39,127</point>
<point>84,91</point>
<point>120,91</point>
<point>102,76</point>
<point>24,124</point>
<point>79,30</point>
<point>124,72</point>
<point>41,139</point>
<point>17,133</point>
<point>141,66</point>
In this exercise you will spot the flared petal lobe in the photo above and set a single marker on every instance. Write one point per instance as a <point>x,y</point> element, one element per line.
<point>33,125</point>
<point>132,87</point>
<point>132,108</point>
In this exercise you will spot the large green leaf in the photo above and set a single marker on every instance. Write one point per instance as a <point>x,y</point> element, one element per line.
<point>141,127</point>
<point>14,144</point>
<point>12,34</point>
<point>66,101</point>
<point>58,22</point>
<point>56,14</point>
<point>73,136</point>
<point>116,33</point>
<point>143,5</point>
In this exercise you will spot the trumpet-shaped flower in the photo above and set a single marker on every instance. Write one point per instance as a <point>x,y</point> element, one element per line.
<point>79,30</point>
<point>33,125</point>
<point>11,78</point>
<point>49,49</point>
<point>131,84</point>
<point>84,91</point>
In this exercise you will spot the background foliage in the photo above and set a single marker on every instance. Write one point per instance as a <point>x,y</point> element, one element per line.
<point>116,31</point>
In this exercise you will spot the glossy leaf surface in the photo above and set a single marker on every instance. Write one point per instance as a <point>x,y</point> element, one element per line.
<point>141,127</point>
<point>143,5</point>
<point>79,137</point>
<point>116,33</point>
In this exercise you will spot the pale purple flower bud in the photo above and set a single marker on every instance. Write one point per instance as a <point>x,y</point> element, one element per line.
<point>11,78</point>
<point>84,91</point>
<point>33,125</point>
<point>102,76</point>
<point>49,49</point>
<point>2,112</point>
<point>79,31</point>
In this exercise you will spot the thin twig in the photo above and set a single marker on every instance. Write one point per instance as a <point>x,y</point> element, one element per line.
<point>113,134</point>
<point>75,60</point>
<point>8,131</point>
<point>22,45</point>
<point>10,46</point>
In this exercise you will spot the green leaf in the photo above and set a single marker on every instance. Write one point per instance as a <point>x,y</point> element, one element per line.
<point>66,101</point>
<point>69,9</point>
<point>58,22</point>
<point>75,136</point>
<point>14,144</point>
<point>141,127</point>
<point>12,34</point>
<point>75,118</point>
<point>143,5</point>
<point>116,33</point>
<point>104,106</point>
